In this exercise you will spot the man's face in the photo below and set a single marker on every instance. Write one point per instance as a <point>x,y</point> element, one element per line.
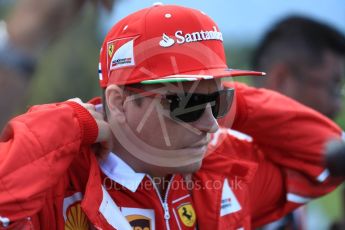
<point>322,88</point>
<point>317,86</point>
<point>152,129</point>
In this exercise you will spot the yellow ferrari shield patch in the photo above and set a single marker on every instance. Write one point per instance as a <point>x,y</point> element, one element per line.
<point>187,214</point>
<point>111,50</point>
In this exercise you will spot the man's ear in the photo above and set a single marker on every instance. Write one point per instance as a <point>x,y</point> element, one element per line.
<point>114,99</point>
<point>279,77</point>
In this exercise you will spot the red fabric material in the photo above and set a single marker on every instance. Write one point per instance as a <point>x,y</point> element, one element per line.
<point>36,150</point>
<point>88,124</point>
<point>289,134</point>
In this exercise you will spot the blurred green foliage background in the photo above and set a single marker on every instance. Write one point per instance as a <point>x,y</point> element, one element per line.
<point>70,68</point>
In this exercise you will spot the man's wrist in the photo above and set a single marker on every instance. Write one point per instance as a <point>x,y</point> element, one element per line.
<point>13,58</point>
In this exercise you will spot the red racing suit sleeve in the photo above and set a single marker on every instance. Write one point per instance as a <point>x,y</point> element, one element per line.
<point>291,138</point>
<point>36,149</point>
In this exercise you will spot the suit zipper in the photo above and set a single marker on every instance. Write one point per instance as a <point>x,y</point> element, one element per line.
<point>165,202</point>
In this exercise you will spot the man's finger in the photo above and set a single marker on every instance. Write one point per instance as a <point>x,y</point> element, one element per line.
<point>104,131</point>
<point>96,115</point>
<point>89,106</point>
<point>76,99</point>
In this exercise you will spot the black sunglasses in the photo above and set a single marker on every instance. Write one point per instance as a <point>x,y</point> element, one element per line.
<point>189,107</point>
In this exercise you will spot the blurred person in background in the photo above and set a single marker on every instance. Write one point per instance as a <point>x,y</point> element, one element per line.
<point>303,59</point>
<point>32,26</point>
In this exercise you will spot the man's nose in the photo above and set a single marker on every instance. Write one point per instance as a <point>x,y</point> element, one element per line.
<point>207,122</point>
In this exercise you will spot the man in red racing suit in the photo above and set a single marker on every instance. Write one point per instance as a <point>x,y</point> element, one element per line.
<point>52,175</point>
<point>46,172</point>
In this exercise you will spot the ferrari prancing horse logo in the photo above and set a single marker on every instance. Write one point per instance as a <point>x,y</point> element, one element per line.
<point>187,214</point>
<point>110,50</point>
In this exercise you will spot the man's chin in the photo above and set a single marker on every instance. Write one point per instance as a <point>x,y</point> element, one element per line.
<point>188,168</point>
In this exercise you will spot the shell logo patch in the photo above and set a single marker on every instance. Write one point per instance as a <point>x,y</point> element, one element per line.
<point>187,214</point>
<point>76,218</point>
<point>139,222</point>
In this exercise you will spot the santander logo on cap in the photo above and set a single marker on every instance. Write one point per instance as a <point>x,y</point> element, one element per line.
<point>198,36</point>
<point>166,41</point>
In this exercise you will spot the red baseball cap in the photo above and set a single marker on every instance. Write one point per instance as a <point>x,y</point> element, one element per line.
<point>164,43</point>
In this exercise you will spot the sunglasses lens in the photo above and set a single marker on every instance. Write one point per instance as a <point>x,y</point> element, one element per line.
<point>190,107</point>
<point>187,108</point>
<point>223,102</point>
